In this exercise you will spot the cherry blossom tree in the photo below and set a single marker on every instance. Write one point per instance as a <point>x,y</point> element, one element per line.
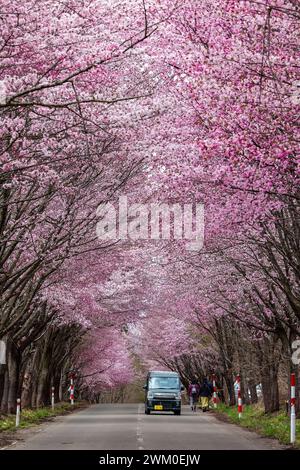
<point>172,102</point>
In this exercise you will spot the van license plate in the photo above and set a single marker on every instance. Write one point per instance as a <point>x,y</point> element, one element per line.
<point>158,407</point>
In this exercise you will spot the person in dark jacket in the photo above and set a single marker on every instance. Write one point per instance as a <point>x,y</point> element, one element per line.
<point>206,390</point>
<point>193,391</point>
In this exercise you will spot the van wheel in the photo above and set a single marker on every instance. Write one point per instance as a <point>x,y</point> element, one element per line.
<point>177,412</point>
<point>147,411</point>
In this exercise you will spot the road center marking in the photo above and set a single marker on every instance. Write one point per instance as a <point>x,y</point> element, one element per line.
<point>139,432</point>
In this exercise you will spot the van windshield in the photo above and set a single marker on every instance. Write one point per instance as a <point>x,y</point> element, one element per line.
<point>163,382</point>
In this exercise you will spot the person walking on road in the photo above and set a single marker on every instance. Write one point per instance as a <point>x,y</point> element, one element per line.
<point>205,392</point>
<point>193,392</point>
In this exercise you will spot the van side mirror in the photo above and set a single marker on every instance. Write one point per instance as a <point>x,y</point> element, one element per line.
<point>182,388</point>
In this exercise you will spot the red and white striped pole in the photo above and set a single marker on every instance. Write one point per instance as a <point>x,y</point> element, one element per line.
<point>52,398</point>
<point>215,391</point>
<point>293,408</point>
<point>72,391</point>
<point>240,403</point>
<point>18,412</point>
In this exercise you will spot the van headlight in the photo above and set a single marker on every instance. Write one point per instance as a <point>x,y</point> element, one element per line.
<point>150,395</point>
<point>178,396</point>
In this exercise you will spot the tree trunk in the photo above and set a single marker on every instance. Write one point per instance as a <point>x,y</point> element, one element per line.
<point>56,385</point>
<point>13,365</point>
<point>270,389</point>
<point>42,389</point>
<point>230,388</point>
<point>5,393</point>
<point>244,390</point>
<point>26,389</point>
<point>2,380</point>
<point>253,392</point>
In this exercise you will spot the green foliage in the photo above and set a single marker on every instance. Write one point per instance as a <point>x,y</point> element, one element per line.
<point>275,425</point>
<point>30,417</point>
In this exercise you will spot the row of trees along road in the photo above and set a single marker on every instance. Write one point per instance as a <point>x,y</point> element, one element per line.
<point>178,104</point>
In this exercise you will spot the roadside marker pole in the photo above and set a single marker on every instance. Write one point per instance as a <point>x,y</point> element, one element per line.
<point>72,391</point>
<point>52,398</point>
<point>215,391</point>
<point>293,408</point>
<point>18,412</point>
<point>240,403</point>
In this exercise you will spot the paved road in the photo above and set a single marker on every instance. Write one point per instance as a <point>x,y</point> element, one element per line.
<point>103,427</point>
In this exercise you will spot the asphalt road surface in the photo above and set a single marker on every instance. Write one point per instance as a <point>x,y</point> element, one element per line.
<point>120,427</point>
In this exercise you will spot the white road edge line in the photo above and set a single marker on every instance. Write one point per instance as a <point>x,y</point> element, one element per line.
<point>9,445</point>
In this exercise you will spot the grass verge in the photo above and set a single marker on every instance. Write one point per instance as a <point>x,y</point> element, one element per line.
<point>32,417</point>
<point>275,425</point>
